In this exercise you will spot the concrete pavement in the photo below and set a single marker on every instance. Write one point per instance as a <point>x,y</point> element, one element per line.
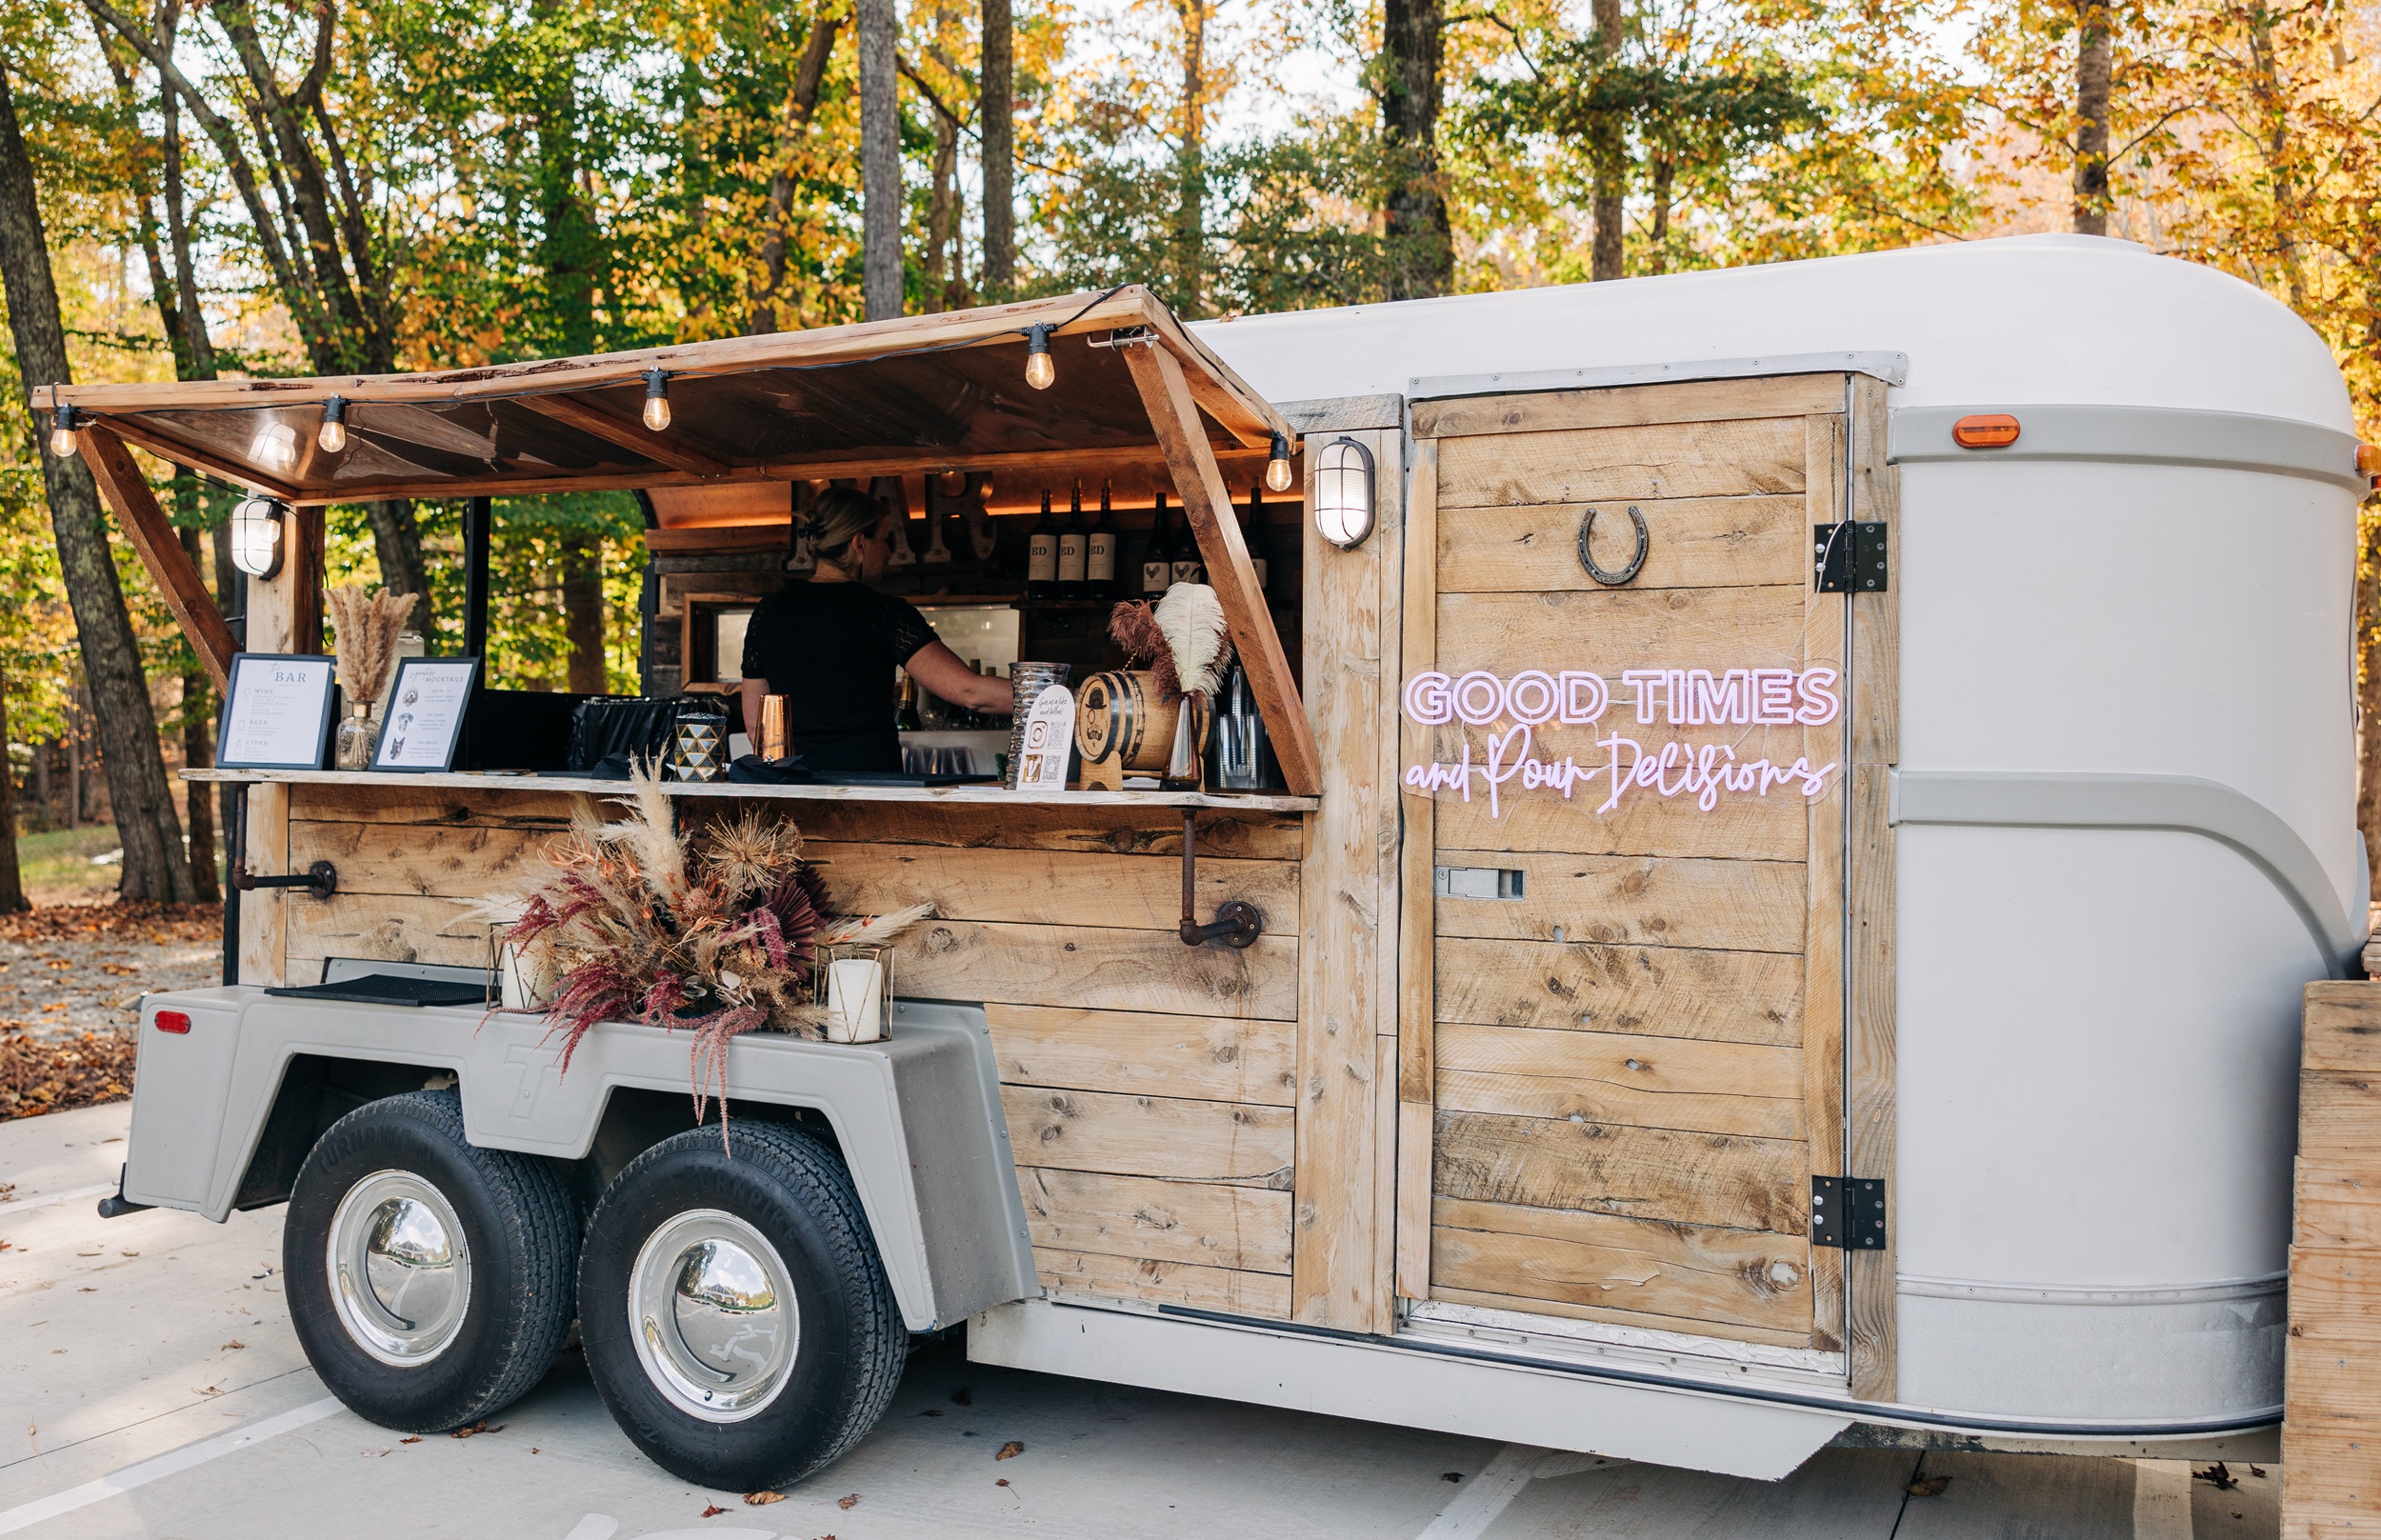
<point>149,1386</point>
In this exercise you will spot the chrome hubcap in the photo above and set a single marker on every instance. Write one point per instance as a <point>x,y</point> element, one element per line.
<point>400,1270</point>
<point>712,1310</point>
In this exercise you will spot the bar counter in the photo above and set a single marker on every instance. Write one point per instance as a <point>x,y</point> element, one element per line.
<point>987,793</point>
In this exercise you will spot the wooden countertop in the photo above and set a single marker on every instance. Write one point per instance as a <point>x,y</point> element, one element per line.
<point>991,793</point>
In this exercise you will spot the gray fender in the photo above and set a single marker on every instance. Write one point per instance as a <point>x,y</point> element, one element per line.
<point>917,1115</point>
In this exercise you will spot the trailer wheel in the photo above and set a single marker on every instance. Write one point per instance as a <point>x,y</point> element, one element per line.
<point>733,1312</point>
<point>429,1280</point>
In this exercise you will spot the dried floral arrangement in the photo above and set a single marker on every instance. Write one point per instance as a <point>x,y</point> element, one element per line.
<point>714,930</point>
<point>1181,640</point>
<point>367,626</point>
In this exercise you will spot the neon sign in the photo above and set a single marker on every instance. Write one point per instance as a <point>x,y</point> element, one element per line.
<point>1674,697</point>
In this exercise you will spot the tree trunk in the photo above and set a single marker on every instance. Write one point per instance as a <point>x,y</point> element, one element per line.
<point>1664,175</point>
<point>938,220</point>
<point>1000,149</point>
<point>11,880</point>
<point>198,747</point>
<point>801,102</point>
<point>154,864</point>
<point>1191,164</point>
<point>1608,151</point>
<point>2092,55</point>
<point>583,611</point>
<point>397,543</point>
<point>1421,244</point>
<point>2368,702</point>
<point>880,163</point>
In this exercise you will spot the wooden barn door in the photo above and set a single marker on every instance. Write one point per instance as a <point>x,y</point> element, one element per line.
<point>1623,1019</point>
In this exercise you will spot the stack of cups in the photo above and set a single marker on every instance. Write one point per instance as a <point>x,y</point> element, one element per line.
<point>1025,681</point>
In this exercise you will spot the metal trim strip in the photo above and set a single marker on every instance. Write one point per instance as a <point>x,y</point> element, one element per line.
<point>2136,436</point>
<point>1894,369</point>
<point>1889,1413</point>
<point>2217,1292</point>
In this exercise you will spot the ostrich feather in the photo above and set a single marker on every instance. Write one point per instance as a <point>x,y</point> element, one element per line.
<point>1133,626</point>
<point>1192,618</point>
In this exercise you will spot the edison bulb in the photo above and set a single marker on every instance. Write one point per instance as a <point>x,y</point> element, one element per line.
<point>1278,476</point>
<point>332,435</point>
<point>1039,372</point>
<point>658,413</point>
<point>63,443</point>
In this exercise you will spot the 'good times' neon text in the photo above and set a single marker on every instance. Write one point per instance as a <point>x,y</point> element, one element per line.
<point>1682,697</point>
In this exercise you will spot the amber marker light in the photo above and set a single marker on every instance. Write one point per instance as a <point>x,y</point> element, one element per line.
<point>1984,431</point>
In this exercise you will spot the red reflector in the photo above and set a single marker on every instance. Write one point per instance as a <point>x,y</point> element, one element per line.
<point>174,1021</point>
<point>1984,431</point>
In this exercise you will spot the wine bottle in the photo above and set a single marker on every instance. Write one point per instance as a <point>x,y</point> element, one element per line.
<point>1253,534</point>
<point>1073,549</point>
<point>1041,554</point>
<point>1189,568</point>
<point>1157,558</point>
<point>1099,556</point>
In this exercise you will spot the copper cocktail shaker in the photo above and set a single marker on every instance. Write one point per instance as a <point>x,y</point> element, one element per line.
<point>772,745</point>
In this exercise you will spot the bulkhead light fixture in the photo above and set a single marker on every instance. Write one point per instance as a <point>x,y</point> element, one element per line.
<point>1343,494</point>
<point>332,435</point>
<point>1277,472</point>
<point>1039,370</point>
<point>656,399</point>
<point>64,423</point>
<point>256,526</point>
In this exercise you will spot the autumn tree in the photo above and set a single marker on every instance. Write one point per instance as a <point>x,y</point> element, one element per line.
<point>154,864</point>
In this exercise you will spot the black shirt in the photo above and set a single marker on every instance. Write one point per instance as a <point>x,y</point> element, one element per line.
<point>832,648</point>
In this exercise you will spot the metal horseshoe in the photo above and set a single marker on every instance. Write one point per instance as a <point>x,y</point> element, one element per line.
<point>1587,557</point>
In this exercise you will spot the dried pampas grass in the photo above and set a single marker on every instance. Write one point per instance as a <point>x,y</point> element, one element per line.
<point>1191,618</point>
<point>367,626</point>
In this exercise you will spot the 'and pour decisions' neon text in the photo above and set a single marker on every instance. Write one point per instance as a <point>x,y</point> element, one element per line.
<point>1676,697</point>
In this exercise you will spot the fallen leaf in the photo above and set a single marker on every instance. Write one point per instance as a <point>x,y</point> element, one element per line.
<point>713,1511</point>
<point>2255,1469</point>
<point>234,1346</point>
<point>1011,1449</point>
<point>87,1289</point>
<point>207,1390</point>
<point>415,1438</point>
<point>961,1397</point>
<point>931,1412</point>
<point>1001,1482</point>
<point>2218,1477</point>
<point>1450,1475</point>
<point>759,1499</point>
<point>1929,1487</point>
<point>86,1254</point>
<point>373,1455</point>
<point>852,1501</point>
<point>533,1448</point>
<point>479,1427</point>
<point>128,1254</point>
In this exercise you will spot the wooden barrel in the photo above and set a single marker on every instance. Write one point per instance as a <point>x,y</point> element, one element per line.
<point>1120,721</point>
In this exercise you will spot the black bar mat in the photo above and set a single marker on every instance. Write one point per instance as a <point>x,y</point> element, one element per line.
<point>388,989</point>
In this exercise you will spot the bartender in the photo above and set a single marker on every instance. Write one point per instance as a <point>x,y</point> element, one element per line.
<point>830,645</point>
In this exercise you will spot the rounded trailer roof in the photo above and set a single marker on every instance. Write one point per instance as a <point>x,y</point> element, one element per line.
<point>2027,320</point>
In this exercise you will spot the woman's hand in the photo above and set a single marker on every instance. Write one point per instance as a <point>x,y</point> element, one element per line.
<point>943,671</point>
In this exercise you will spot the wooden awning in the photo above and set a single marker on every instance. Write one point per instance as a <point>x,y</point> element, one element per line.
<point>880,398</point>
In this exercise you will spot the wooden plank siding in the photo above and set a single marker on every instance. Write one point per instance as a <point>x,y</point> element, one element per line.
<point>1150,1087</point>
<point>1635,1058</point>
<point>2332,1356</point>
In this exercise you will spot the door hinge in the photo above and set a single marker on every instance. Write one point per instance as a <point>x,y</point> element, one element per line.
<point>1847,1212</point>
<point>1847,559</point>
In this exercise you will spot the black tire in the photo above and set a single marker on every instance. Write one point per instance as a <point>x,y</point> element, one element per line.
<point>831,1383</point>
<point>520,1249</point>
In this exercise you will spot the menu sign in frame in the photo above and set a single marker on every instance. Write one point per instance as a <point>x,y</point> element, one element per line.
<point>277,712</point>
<point>422,721</point>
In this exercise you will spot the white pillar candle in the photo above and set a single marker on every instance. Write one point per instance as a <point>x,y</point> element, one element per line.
<point>855,1000</point>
